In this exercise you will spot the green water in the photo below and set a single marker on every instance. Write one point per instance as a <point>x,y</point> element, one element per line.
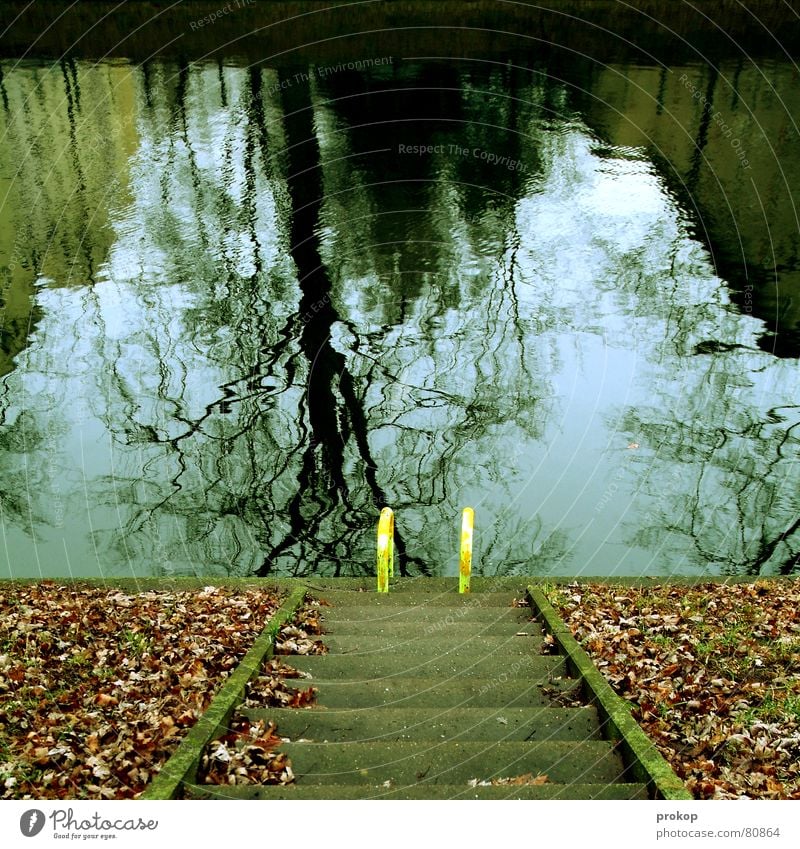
<point>246,305</point>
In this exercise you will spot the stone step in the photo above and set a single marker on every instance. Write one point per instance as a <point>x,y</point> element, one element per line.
<point>384,667</point>
<point>411,630</point>
<point>433,692</point>
<point>509,646</point>
<point>591,761</point>
<point>342,598</point>
<point>430,620</point>
<point>420,584</point>
<point>416,791</point>
<point>388,724</point>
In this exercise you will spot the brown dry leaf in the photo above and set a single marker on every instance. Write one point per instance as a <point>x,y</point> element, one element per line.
<point>526,780</point>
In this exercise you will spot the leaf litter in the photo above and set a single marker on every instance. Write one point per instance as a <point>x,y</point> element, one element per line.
<point>98,686</point>
<point>712,672</point>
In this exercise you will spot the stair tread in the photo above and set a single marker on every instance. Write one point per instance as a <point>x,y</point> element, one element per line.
<point>426,599</point>
<point>388,724</point>
<point>435,619</point>
<point>452,761</point>
<point>361,645</point>
<point>418,791</point>
<point>464,663</point>
<point>432,691</point>
<point>411,630</point>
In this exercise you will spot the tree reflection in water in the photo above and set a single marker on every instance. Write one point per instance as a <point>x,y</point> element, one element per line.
<point>293,323</point>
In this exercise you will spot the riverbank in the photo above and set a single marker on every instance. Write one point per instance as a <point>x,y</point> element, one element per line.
<point>99,683</point>
<point>318,32</point>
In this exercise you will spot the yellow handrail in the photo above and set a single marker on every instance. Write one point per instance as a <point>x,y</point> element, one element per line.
<point>385,549</point>
<point>465,561</point>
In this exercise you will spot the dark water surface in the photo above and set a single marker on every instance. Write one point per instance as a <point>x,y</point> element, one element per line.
<point>245,306</point>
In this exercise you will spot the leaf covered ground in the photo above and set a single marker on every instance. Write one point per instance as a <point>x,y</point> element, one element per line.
<point>98,686</point>
<point>712,672</point>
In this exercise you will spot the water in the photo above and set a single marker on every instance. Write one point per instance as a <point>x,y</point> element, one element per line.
<point>243,311</point>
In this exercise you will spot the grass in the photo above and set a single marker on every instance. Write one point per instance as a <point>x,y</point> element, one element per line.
<point>137,642</point>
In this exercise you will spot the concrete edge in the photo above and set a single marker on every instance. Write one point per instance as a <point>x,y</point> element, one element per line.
<point>170,584</point>
<point>182,765</point>
<point>639,753</point>
<point>516,583</point>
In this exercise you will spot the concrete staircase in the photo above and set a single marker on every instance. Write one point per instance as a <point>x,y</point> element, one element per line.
<point>428,695</point>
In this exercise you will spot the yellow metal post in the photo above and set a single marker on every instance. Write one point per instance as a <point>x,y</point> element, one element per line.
<point>391,548</point>
<point>465,562</point>
<point>385,549</point>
